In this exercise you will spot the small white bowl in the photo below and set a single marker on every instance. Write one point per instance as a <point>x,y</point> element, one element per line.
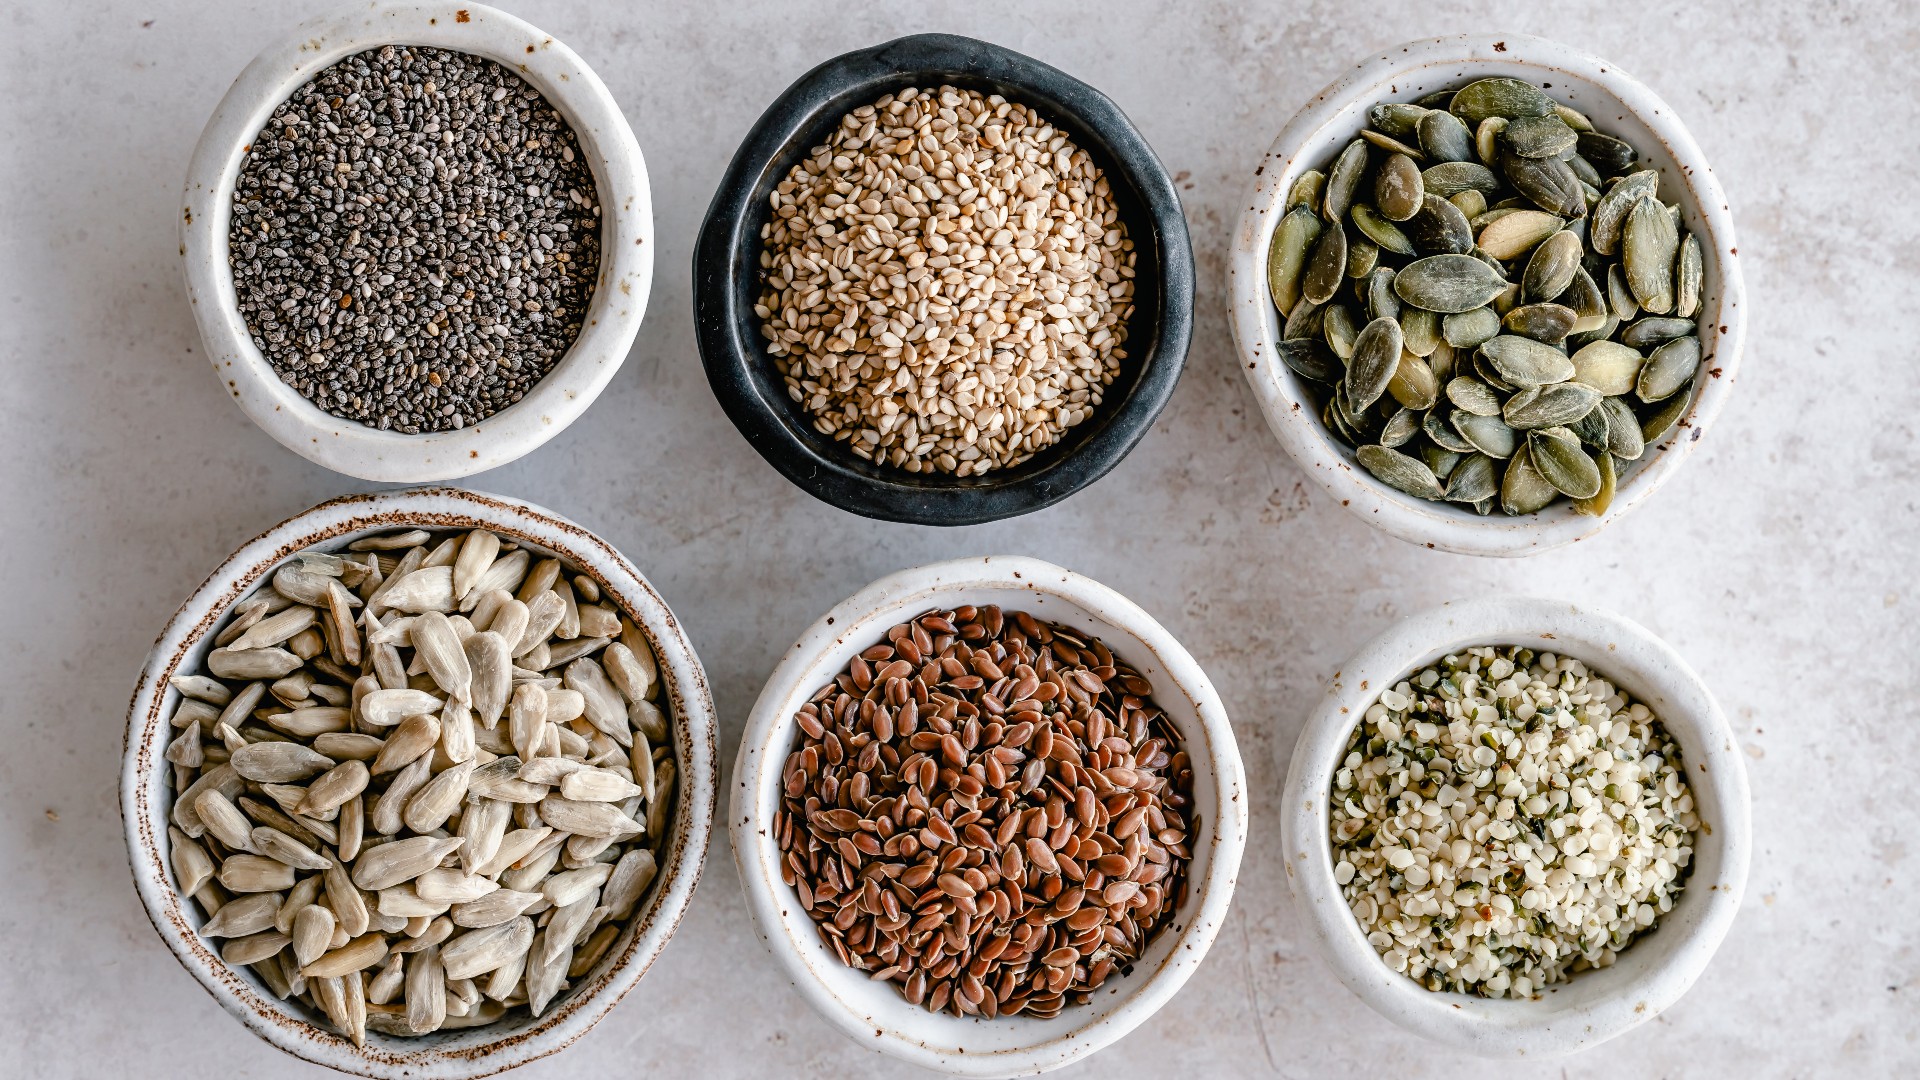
<point>874,1014</point>
<point>1619,105</point>
<point>626,241</point>
<point>145,800</point>
<point>1593,1006</point>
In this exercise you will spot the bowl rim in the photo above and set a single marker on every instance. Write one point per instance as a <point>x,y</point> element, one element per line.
<point>143,803</point>
<point>613,315</point>
<point>1294,419</point>
<point>769,732</point>
<point>1609,643</point>
<point>763,414</point>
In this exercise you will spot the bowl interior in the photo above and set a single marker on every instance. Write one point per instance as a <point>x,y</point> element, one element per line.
<point>730,279</point>
<point>1681,182</point>
<point>868,1010</point>
<point>425,1052</point>
<point>1637,985</point>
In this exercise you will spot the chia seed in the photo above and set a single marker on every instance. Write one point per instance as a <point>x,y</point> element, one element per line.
<point>415,239</point>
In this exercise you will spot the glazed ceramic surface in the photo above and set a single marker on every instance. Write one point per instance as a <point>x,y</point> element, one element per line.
<point>1618,105</point>
<point>1593,1006</point>
<point>613,315</point>
<point>146,795</point>
<point>874,1013</point>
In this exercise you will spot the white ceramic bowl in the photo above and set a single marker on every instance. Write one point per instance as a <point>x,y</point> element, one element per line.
<point>626,241</point>
<point>145,799</point>
<point>1592,1006</point>
<point>1618,105</point>
<point>874,1014</point>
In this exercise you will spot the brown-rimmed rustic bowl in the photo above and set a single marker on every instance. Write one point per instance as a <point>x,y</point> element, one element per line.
<point>146,797</point>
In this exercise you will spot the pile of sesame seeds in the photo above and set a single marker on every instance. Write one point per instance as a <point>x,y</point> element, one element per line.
<point>415,239</point>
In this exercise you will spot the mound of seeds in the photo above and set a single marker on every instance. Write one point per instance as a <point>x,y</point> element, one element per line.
<point>987,811</point>
<point>421,782</point>
<point>947,282</point>
<point>1505,819</point>
<point>1496,307</point>
<point>415,239</point>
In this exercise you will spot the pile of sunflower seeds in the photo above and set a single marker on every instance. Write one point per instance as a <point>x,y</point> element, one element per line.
<point>1506,819</point>
<point>1495,305</point>
<point>987,811</point>
<point>947,283</point>
<point>421,782</point>
<point>415,239</point>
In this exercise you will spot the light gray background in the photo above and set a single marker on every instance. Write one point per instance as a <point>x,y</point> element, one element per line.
<point>1780,561</point>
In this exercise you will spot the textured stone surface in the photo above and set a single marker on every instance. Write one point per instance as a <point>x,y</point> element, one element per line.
<point>1780,561</point>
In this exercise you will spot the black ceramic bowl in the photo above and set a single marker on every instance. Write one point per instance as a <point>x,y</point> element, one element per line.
<point>727,281</point>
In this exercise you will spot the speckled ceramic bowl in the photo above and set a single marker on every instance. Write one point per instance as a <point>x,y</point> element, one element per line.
<point>874,1014</point>
<point>1619,105</point>
<point>626,241</point>
<point>146,798</point>
<point>1593,1006</point>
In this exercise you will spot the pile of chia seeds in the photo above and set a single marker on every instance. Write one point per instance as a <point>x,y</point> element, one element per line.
<point>415,239</point>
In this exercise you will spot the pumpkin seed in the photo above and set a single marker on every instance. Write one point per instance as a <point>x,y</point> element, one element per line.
<point>1523,490</point>
<point>1550,406</point>
<point>1589,306</point>
<point>1687,271</point>
<point>1401,472</point>
<point>1608,154</point>
<point>1546,323</point>
<point>1376,355</point>
<point>1572,117</point>
<point>1526,363</point>
<point>1471,203</point>
<point>1584,169</point>
<point>1440,428</point>
<point>1652,331</point>
<point>1670,367</point>
<point>1397,189</point>
<point>1552,266</point>
<point>1439,228</point>
<point>1390,144</point>
<point>1488,434</point>
<point>1442,360</point>
<point>1515,232</point>
<point>1468,329</point>
<point>1421,330</point>
<point>1598,503</point>
<point>1486,139</point>
<point>1343,180</point>
<point>1379,230</point>
<point>1648,245</point>
<point>1500,96</point>
<point>1619,297</point>
<point>1442,462</point>
<point>1444,136</point>
<point>1473,396</point>
<point>1413,384</point>
<point>1473,479</point>
<point>1382,301</point>
<point>1326,265</point>
<point>1450,178</point>
<point>1608,366</point>
<point>1539,136</point>
<point>1591,429</point>
<point>1624,439</point>
<point>1610,213</point>
<point>1362,256</point>
<point>1397,120</point>
<point>1306,320</point>
<point>1548,183</point>
<point>1668,414</point>
<point>1287,255</point>
<point>1306,191</point>
<point>1401,428</point>
<point>1448,283</point>
<point>1310,359</point>
<point>1562,463</point>
<point>1339,327</point>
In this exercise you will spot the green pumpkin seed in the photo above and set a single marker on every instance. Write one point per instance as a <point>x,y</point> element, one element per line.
<point>1471,203</point>
<point>1413,383</point>
<point>1523,490</point>
<point>1652,331</point>
<point>1336,421</point>
<point>1448,283</point>
<point>1581,339</point>
<point>1619,297</point>
<point>1442,360</point>
<point>1538,136</point>
<point>1287,255</point>
<point>1421,329</point>
<point>1548,324</point>
<point>1340,327</point>
<point>1442,461</point>
<point>1551,267</point>
<point>1379,230</point>
<point>1304,321</point>
<point>1306,191</point>
<point>1390,144</point>
<point>1376,355</point>
<point>1310,359</point>
<point>1326,266</point>
<point>1610,213</point>
<point>1588,304</point>
<point>1550,406</point>
<point>1499,96</point>
<point>1598,503</point>
<point>1450,178</point>
<point>1361,420</point>
<point>1668,414</point>
<point>1669,368</point>
<point>1397,189</point>
<point>1526,363</point>
<point>1403,473</point>
<point>1444,137</point>
<point>1397,120</point>
<point>1572,117</point>
<point>1591,429</point>
<point>1343,181</point>
<point>1382,301</point>
<point>1468,329</point>
<point>1584,169</point>
<point>1442,432</point>
<point>1508,299</point>
<point>1608,367</point>
<point>1515,232</point>
<point>1434,99</point>
<point>1439,228</point>
<point>1548,183</point>
<point>1687,271</point>
<point>1401,428</point>
<point>1490,435</point>
<point>1486,139</point>
<point>1648,245</point>
<point>1609,155</point>
<point>1624,440</point>
<point>1473,479</point>
<point>1362,256</point>
<point>1562,462</point>
<point>1473,396</point>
